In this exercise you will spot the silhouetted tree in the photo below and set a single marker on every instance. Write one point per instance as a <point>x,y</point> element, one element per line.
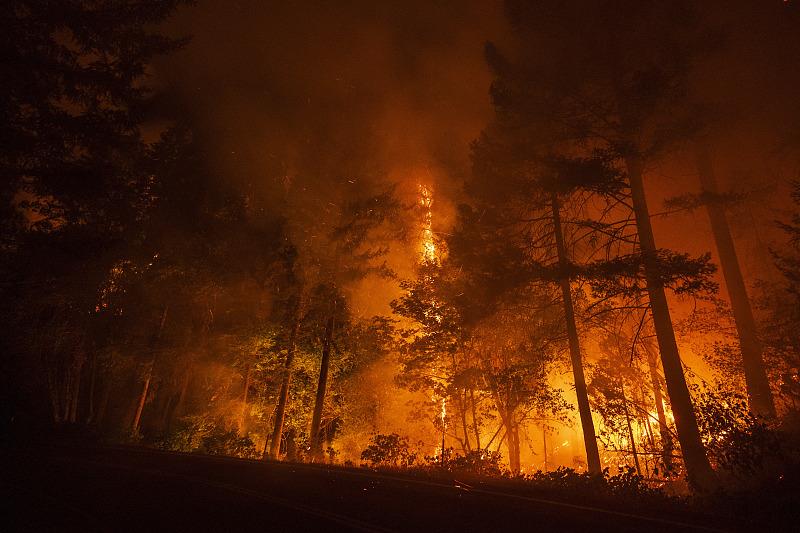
<point>613,79</point>
<point>77,172</point>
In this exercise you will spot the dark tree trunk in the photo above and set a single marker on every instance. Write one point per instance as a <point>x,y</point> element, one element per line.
<point>168,405</point>
<point>73,398</point>
<point>101,409</point>
<point>584,410</point>
<point>137,417</point>
<point>283,395</point>
<point>630,430</point>
<point>512,433</point>
<point>758,390</point>
<point>243,420</point>
<point>544,445</point>
<point>475,419</point>
<point>698,468</point>
<point>464,425</point>
<point>177,409</point>
<point>322,385</point>
<point>291,446</point>
<point>90,397</point>
<point>663,429</point>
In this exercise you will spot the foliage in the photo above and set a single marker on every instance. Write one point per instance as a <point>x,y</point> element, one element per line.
<point>780,303</point>
<point>230,443</point>
<point>478,462</point>
<point>626,483</point>
<point>736,440</point>
<point>200,434</point>
<point>188,436</point>
<point>389,450</point>
<point>78,180</point>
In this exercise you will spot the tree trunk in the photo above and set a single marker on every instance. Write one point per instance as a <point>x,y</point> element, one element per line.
<point>631,439</point>
<point>512,432</point>
<point>177,408</point>
<point>464,425</point>
<point>149,374</point>
<point>92,381</point>
<point>137,417</point>
<point>166,408</point>
<point>52,388</point>
<point>584,410</point>
<point>544,444</point>
<point>698,469</point>
<point>101,409</point>
<point>475,419</point>
<point>291,446</point>
<point>322,385</point>
<point>758,390</point>
<point>283,396</point>
<point>243,419</point>
<point>663,428</point>
<point>76,391</point>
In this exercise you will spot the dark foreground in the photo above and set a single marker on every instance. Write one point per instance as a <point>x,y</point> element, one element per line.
<point>123,489</point>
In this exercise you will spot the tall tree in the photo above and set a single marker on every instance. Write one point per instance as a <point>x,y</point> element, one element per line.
<point>528,211</point>
<point>758,388</point>
<point>74,159</point>
<point>613,78</point>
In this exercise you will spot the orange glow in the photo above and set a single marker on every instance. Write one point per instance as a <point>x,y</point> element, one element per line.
<point>428,244</point>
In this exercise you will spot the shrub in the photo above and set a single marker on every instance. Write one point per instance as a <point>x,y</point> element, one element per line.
<point>202,435</point>
<point>389,450</point>
<point>737,441</point>
<point>228,443</point>
<point>481,462</point>
<point>626,483</point>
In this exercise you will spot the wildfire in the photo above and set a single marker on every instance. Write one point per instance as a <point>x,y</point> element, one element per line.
<point>428,252</point>
<point>426,202</point>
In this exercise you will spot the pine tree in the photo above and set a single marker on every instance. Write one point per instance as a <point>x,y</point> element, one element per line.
<point>610,81</point>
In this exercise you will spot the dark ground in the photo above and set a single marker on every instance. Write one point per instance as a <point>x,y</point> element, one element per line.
<point>132,489</point>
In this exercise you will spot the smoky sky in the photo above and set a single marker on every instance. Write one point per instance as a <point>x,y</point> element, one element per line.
<point>403,83</point>
<point>403,87</point>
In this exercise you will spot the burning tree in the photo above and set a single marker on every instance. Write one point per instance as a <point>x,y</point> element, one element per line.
<point>487,358</point>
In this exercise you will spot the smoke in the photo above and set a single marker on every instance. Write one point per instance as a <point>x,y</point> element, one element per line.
<point>400,89</point>
<point>406,79</point>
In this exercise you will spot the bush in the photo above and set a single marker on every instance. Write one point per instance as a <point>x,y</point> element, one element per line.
<point>187,436</point>
<point>201,435</point>
<point>389,450</point>
<point>228,443</point>
<point>736,440</point>
<point>481,462</point>
<point>625,484</point>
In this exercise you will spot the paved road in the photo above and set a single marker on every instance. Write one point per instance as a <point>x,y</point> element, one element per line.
<point>123,489</point>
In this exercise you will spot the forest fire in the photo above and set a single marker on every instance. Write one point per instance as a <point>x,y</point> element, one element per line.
<point>513,251</point>
<point>428,244</point>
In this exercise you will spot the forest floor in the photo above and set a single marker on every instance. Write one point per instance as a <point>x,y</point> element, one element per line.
<point>135,489</point>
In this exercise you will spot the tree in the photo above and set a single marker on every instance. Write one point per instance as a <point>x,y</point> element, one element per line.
<point>780,303</point>
<point>530,207</point>
<point>76,170</point>
<point>462,348</point>
<point>619,90</point>
<point>758,388</point>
